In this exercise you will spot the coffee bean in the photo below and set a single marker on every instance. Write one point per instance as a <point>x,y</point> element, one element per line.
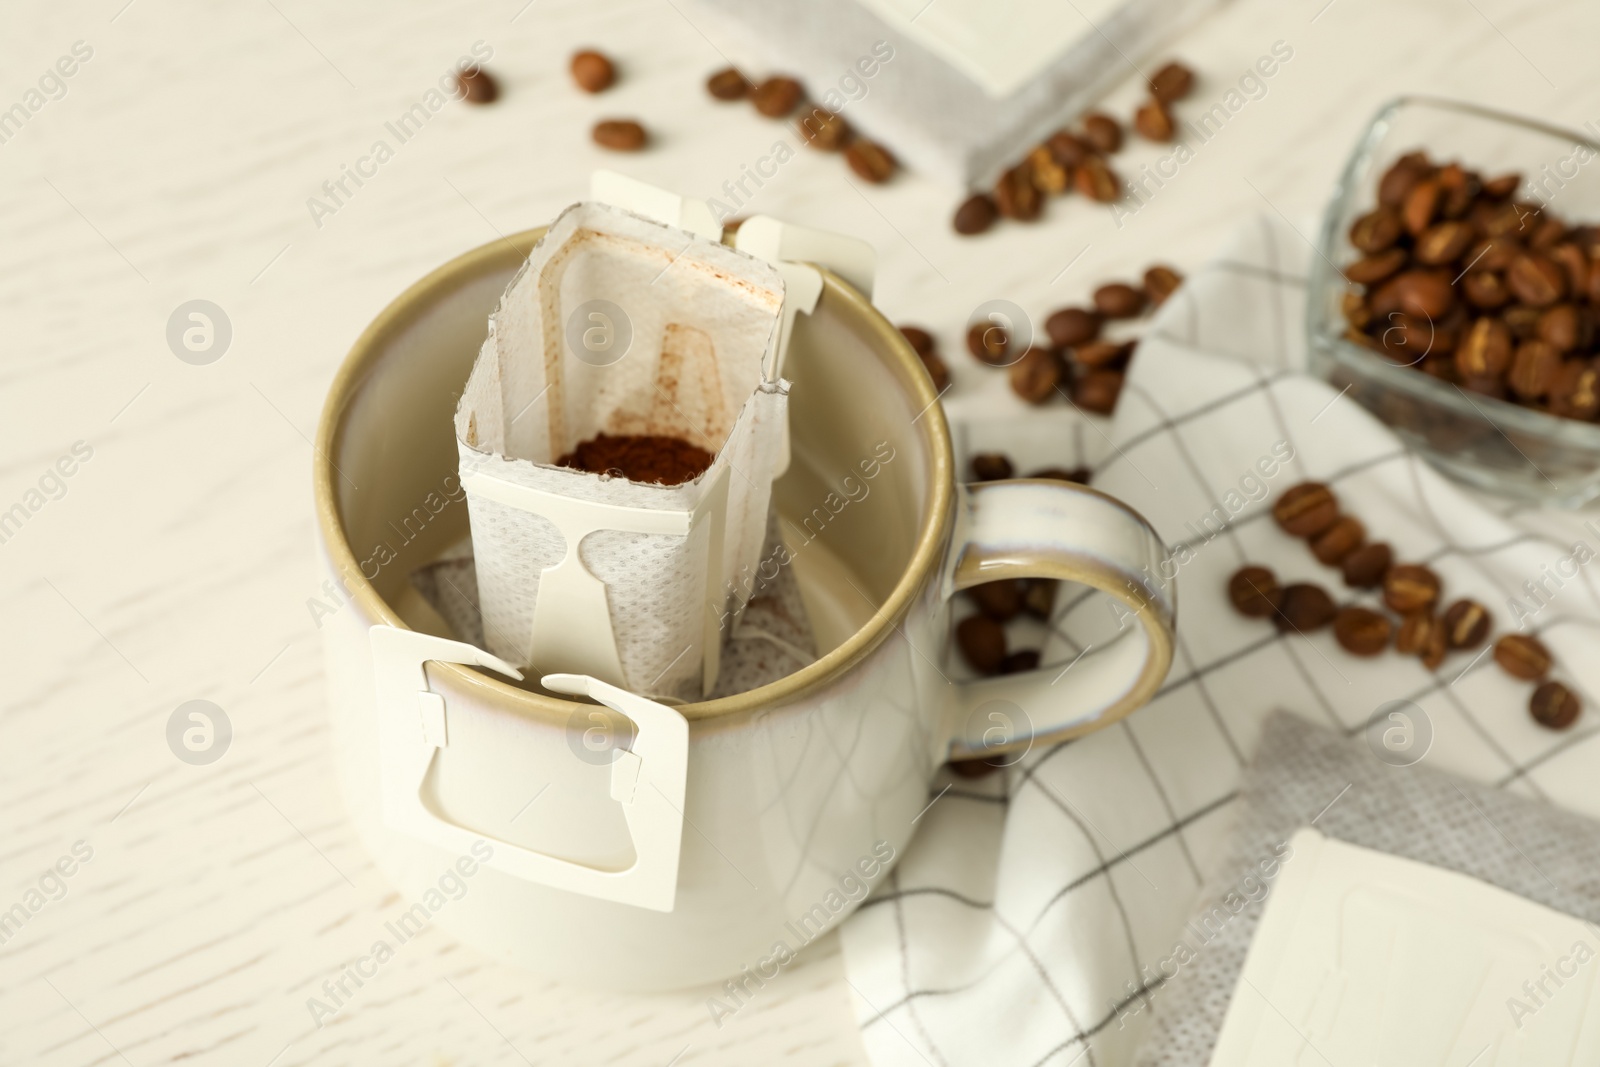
<point>619,135</point>
<point>1566,327</point>
<point>592,71</point>
<point>1554,706</point>
<point>991,467</point>
<point>1332,545</point>
<point>1049,176</point>
<point>1369,270</point>
<point>1495,253</point>
<point>1420,207</point>
<point>1459,189</point>
<point>1397,182</point>
<point>921,340</point>
<point>823,130</point>
<point>1302,608</point>
<point>1570,258</point>
<point>1305,510</point>
<point>1097,391</point>
<point>1522,656</point>
<point>1410,588</point>
<point>1365,567</point>
<point>1547,232</point>
<point>475,86</point>
<point>1161,282</point>
<point>989,342</point>
<point>1522,321</point>
<point>1039,600</point>
<point>728,84</point>
<point>1172,82</point>
<point>1016,196</point>
<point>1035,376</point>
<point>1485,350</point>
<point>1097,181</point>
<point>976,214</point>
<point>1102,355</point>
<point>871,161</point>
<point>1442,243</point>
<point>982,642</point>
<point>1072,326</point>
<point>937,370</point>
<point>1362,632</point>
<point>1426,294</point>
<point>1416,633</point>
<point>1103,132</point>
<point>1577,391</point>
<point>1068,149</point>
<point>1376,231</point>
<point>1017,662</point>
<point>776,97</point>
<point>1433,649</point>
<point>1000,600</point>
<point>1466,624</point>
<point>1154,121</point>
<point>1486,290</point>
<point>1536,279</point>
<point>1356,311</point>
<point>1118,300</point>
<point>1502,187</point>
<point>1534,370</point>
<point>1254,592</point>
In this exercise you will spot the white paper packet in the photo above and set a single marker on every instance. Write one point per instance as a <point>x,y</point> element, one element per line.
<point>621,325</point>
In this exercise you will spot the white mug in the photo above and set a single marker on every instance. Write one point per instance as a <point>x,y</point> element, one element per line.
<point>711,839</point>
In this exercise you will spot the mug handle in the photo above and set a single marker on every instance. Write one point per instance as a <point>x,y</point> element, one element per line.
<point>1039,528</point>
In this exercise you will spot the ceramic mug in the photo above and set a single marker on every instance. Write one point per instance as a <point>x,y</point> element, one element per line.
<point>710,833</point>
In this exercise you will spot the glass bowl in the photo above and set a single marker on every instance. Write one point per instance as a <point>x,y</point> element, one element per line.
<point>1485,442</point>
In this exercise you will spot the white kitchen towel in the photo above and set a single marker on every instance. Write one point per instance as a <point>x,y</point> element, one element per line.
<point>1024,925</point>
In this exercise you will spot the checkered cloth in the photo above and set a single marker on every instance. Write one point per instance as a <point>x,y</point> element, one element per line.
<point>1024,923</point>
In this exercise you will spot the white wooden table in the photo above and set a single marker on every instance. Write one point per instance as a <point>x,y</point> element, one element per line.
<point>175,563</point>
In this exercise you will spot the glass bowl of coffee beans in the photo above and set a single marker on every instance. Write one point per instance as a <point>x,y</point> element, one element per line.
<point>1457,295</point>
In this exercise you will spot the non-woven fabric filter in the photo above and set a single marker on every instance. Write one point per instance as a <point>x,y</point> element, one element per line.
<point>621,325</point>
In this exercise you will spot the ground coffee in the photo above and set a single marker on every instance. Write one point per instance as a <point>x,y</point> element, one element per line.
<point>640,458</point>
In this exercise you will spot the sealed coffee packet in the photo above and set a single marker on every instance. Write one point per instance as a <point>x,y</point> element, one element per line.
<point>620,325</point>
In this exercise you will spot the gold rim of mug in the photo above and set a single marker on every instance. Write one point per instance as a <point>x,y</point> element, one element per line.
<point>504,255</point>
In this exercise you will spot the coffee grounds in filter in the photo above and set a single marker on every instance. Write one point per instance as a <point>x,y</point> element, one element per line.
<point>653,458</point>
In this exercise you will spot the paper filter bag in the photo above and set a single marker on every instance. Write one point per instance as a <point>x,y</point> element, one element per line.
<point>624,326</point>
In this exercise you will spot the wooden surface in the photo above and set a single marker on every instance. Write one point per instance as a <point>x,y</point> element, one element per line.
<point>177,564</point>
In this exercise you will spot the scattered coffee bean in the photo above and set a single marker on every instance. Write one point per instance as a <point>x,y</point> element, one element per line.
<point>1365,567</point>
<point>1072,326</point>
<point>619,135</point>
<point>1522,656</point>
<point>1332,545</point>
<point>982,642</point>
<point>1000,601</point>
<point>1102,355</point>
<point>1047,172</point>
<point>1161,282</point>
<point>1154,121</point>
<point>1362,632</point>
<point>1302,608</point>
<point>1097,181</point>
<point>776,97</point>
<point>1040,598</point>
<point>989,342</point>
<point>1097,391</point>
<point>921,340</point>
<point>1433,649</point>
<point>1416,633</point>
<point>1070,151</point>
<point>476,86</point>
<point>1118,300</point>
<point>728,84</point>
<point>1254,592</point>
<point>1409,588</point>
<point>1554,706</point>
<point>1016,197</point>
<point>1103,132</point>
<point>991,467</point>
<point>1171,83</point>
<point>870,160</point>
<point>1305,510</point>
<point>934,364</point>
<point>1017,662</point>
<point>1035,376</point>
<point>1076,475</point>
<point>1466,624</point>
<point>975,768</point>
<point>976,214</point>
<point>823,130</point>
<point>593,72</point>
